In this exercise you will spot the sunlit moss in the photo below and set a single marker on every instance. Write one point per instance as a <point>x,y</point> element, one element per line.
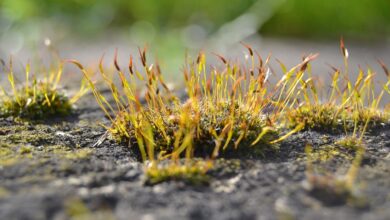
<point>223,112</point>
<point>192,172</point>
<point>36,98</point>
<point>333,117</point>
<point>38,103</point>
<point>211,121</point>
<point>232,108</point>
<point>314,117</point>
<point>329,152</point>
<point>350,142</point>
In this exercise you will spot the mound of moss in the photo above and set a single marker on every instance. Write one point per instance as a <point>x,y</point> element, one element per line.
<point>335,118</point>
<point>231,124</point>
<point>38,103</point>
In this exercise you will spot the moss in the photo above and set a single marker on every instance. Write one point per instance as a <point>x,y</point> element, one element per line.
<point>25,150</point>
<point>14,154</point>
<point>7,155</point>
<point>225,167</point>
<point>350,142</point>
<point>78,154</point>
<point>76,209</point>
<point>34,143</point>
<point>26,134</point>
<point>4,192</point>
<point>212,117</point>
<point>191,172</point>
<point>37,102</point>
<point>314,117</point>
<point>5,150</point>
<point>328,117</point>
<point>328,152</point>
<point>66,152</point>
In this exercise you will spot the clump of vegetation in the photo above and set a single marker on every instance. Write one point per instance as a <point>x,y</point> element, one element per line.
<point>326,153</point>
<point>354,108</point>
<point>194,172</point>
<point>331,117</point>
<point>225,109</point>
<point>314,116</point>
<point>350,142</point>
<point>230,108</point>
<point>349,106</point>
<point>36,99</point>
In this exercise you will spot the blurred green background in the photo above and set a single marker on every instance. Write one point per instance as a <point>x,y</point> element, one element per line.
<point>359,19</point>
<point>170,28</point>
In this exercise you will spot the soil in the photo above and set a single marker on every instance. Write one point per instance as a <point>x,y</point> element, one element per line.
<point>51,170</point>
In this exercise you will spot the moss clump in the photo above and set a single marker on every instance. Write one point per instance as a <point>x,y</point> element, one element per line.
<point>224,109</point>
<point>39,102</point>
<point>75,208</point>
<point>207,122</point>
<point>5,150</point>
<point>350,142</point>
<point>328,117</point>
<point>37,99</point>
<point>328,152</point>
<point>75,154</point>
<point>191,172</point>
<point>314,117</point>
<point>64,152</point>
<point>25,150</point>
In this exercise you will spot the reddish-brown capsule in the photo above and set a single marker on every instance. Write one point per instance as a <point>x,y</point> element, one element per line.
<point>384,67</point>
<point>260,59</point>
<point>344,50</point>
<point>131,65</point>
<point>248,47</point>
<point>142,55</point>
<point>221,58</point>
<point>185,75</point>
<point>158,69</point>
<point>116,61</point>
<point>198,59</point>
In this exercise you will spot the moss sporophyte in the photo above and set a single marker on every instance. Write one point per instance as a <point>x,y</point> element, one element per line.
<point>229,109</point>
<point>232,108</point>
<point>37,99</point>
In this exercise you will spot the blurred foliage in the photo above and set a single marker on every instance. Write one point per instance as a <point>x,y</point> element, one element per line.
<point>300,18</point>
<point>88,15</point>
<point>359,19</point>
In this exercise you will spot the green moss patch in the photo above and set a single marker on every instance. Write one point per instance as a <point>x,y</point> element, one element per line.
<point>192,172</point>
<point>37,103</point>
<point>329,117</point>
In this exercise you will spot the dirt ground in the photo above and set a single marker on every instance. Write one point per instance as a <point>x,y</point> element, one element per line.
<point>49,170</point>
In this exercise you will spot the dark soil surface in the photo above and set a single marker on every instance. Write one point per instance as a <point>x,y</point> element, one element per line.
<point>51,171</point>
